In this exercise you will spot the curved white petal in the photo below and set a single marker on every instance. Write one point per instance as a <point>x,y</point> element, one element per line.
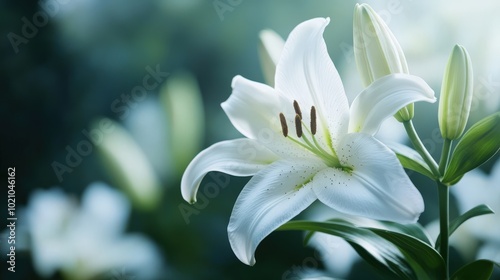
<point>270,48</point>
<point>377,187</point>
<point>306,73</point>
<point>383,98</point>
<point>271,198</point>
<point>253,108</point>
<point>239,157</point>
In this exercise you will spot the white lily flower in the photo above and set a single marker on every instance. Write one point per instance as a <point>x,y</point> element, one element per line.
<point>332,156</point>
<point>88,241</point>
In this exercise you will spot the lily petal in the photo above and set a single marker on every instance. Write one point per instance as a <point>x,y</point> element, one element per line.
<point>271,198</point>
<point>377,188</point>
<point>253,108</point>
<point>306,73</point>
<point>239,157</point>
<point>383,98</point>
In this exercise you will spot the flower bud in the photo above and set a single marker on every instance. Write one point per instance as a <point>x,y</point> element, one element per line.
<point>127,165</point>
<point>377,52</point>
<point>270,48</point>
<point>456,94</point>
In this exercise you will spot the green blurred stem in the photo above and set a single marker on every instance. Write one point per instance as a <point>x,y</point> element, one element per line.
<point>417,144</point>
<point>444,200</point>
<point>444,156</point>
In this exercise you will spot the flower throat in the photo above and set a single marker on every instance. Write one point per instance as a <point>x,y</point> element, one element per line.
<point>306,136</point>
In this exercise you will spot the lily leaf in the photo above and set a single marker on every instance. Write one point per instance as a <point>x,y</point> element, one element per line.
<point>410,159</point>
<point>424,260</point>
<point>415,230</point>
<point>479,210</point>
<point>477,145</point>
<point>393,254</point>
<point>479,270</point>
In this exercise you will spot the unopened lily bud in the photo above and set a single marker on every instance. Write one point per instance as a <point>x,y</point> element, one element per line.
<point>270,48</point>
<point>377,52</point>
<point>456,94</point>
<point>127,165</point>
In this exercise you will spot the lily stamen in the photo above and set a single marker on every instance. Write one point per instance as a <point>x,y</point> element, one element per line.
<point>313,120</point>
<point>298,125</point>
<point>296,107</point>
<point>284,127</point>
<point>311,145</point>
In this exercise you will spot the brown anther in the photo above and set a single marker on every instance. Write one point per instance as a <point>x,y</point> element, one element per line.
<point>284,127</point>
<point>298,125</point>
<point>297,108</point>
<point>313,120</point>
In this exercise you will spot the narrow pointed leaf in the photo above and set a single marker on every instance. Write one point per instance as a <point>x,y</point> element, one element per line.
<point>415,230</point>
<point>477,145</point>
<point>410,159</point>
<point>478,270</point>
<point>390,253</point>
<point>382,268</point>
<point>474,212</point>
<point>424,260</point>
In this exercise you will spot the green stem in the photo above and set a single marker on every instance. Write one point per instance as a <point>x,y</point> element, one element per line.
<point>444,200</point>
<point>415,140</point>
<point>444,207</point>
<point>444,156</point>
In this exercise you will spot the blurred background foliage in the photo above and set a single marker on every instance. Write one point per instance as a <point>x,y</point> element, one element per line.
<point>89,53</point>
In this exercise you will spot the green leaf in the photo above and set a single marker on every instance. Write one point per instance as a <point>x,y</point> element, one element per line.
<point>424,260</point>
<point>415,230</point>
<point>479,144</point>
<point>395,255</point>
<point>474,212</point>
<point>410,159</point>
<point>477,270</point>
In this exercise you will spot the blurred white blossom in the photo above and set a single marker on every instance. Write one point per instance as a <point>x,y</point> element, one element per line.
<point>87,241</point>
